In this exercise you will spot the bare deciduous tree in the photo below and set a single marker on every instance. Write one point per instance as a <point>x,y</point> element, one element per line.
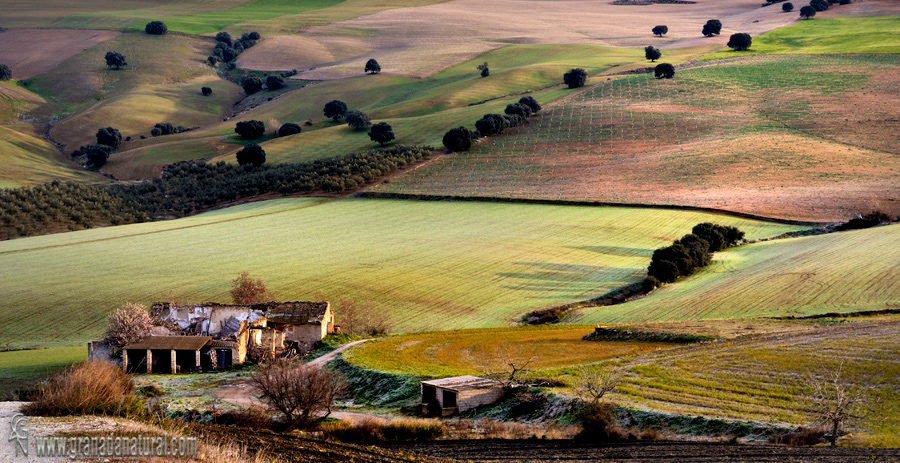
<point>594,383</point>
<point>246,290</point>
<point>128,324</point>
<point>360,319</point>
<point>504,365</point>
<point>303,394</point>
<point>835,401</point>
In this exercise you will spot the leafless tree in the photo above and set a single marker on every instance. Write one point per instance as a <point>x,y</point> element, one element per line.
<point>303,394</point>
<point>594,383</point>
<point>504,365</point>
<point>835,401</point>
<point>246,290</point>
<point>361,319</point>
<point>128,324</point>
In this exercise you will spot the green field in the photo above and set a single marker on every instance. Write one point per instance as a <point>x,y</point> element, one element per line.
<point>423,266</point>
<point>826,36</point>
<point>22,368</point>
<point>838,272</point>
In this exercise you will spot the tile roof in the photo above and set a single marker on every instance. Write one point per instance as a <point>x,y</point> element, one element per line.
<point>170,342</point>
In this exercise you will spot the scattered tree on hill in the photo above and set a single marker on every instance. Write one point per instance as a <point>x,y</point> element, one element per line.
<point>115,60</point>
<point>865,221</point>
<point>253,36</point>
<point>303,394</point>
<point>274,82</point>
<point>95,155</point>
<point>206,91</point>
<point>787,7</point>
<point>719,237</point>
<point>652,53</point>
<point>664,71</point>
<point>335,109</point>
<point>5,72</point>
<point>485,71</point>
<point>381,133</point>
<point>110,137</point>
<point>251,85</point>
<point>519,109</point>
<point>250,130</point>
<point>156,28</point>
<point>807,12</point>
<point>225,38</point>
<point>459,139</point>
<point>819,5</point>
<point>491,124</point>
<point>166,128</point>
<point>835,400</point>
<point>660,30</point>
<point>289,129</point>
<point>212,60</point>
<point>128,324</point>
<point>575,78</point>
<point>358,120</point>
<point>712,27</point>
<point>246,290</point>
<point>740,41</point>
<point>594,383</point>
<point>531,103</point>
<point>252,154</point>
<point>372,66</point>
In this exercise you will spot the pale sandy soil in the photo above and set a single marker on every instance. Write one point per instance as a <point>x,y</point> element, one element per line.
<point>30,52</point>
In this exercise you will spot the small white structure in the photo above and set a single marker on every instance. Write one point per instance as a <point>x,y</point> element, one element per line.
<point>458,394</point>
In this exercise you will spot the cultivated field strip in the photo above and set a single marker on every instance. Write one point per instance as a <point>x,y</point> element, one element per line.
<point>808,137</point>
<point>839,272</point>
<point>422,265</point>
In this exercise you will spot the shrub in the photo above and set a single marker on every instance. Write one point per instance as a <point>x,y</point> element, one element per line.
<point>335,109</point>
<point>110,137</point>
<point>740,41</point>
<point>664,71</point>
<point>250,130</point>
<point>864,221</point>
<point>712,27</point>
<point>375,430</point>
<point>652,53</point>
<point>649,284</point>
<point>115,60</point>
<point>381,133</point>
<point>5,72</point>
<point>660,30</point>
<point>787,7</point>
<point>252,154</point>
<point>598,422</point>
<point>128,324</point>
<point>274,83</point>
<point>89,388</point>
<point>206,91</point>
<point>156,28</point>
<point>807,12</point>
<point>166,128</point>
<point>575,78</point>
<point>224,37</point>
<point>303,394</point>
<point>249,418</point>
<point>485,71</point>
<point>96,155</point>
<point>531,103</point>
<point>251,84</point>
<point>802,437</point>
<point>372,66</point>
<point>491,124</point>
<point>458,139</point>
<point>289,129</point>
<point>358,120</point>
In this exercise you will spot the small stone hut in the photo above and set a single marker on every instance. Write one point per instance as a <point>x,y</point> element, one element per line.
<point>449,396</point>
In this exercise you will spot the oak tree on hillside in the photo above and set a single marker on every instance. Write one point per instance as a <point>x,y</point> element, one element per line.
<point>225,38</point>
<point>250,130</point>
<point>110,137</point>
<point>575,78</point>
<point>712,27</point>
<point>531,103</point>
<point>807,12</point>
<point>787,7</point>
<point>289,129</point>
<point>156,28</point>
<point>358,120</point>
<point>115,60</point>
<point>664,71</point>
<point>518,109</point>
<point>372,66</point>
<point>252,154</point>
<point>381,133</point>
<point>740,41</point>
<point>485,71</point>
<point>95,155</point>
<point>819,5</point>
<point>335,109</point>
<point>660,30</point>
<point>652,53</point>
<point>206,91</point>
<point>458,139</point>
<point>274,83</point>
<point>5,72</point>
<point>251,85</point>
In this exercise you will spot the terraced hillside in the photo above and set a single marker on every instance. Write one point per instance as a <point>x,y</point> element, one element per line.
<point>422,266</point>
<point>839,272</point>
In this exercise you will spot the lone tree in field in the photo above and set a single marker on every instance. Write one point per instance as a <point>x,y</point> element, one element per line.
<point>664,71</point>
<point>251,85</point>
<point>381,133</point>
<point>110,137</point>
<point>531,103</point>
<point>115,60</point>
<point>740,41</point>
<point>807,12</point>
<point>575,78</point>
<point>128,324</point>
<point>787,7</point>
<point>335,109</point>
<point>485,71</point>
<point>358,120</point>
<point>303,394</point>
<point>246,290</point>
<point>652,53</point>
<point>835,401</point>
<point>156,28</point>
<point>206,91</point>
<point>250,130</point>
<point>372,66</point>
<point>251,154</point>
<point>712,27</point>
<point>274,83</point>
<point>594,383</point>
<point>5,72</point>
<point>660,31</point>
<point>289,129</point>
<point>458,140</point>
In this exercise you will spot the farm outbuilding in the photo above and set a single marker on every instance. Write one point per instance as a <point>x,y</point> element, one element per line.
<point>167,354</point>
<point>449,396</point>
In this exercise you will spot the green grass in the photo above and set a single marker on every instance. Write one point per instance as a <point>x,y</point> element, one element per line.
<point>258,10</point>
<point>19,369</point>
<point>423,266</point>
<point>827,35</point>
<point>839,272</point>
<point>29,160</point>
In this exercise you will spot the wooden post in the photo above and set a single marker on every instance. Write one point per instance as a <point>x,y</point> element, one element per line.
<point>125,360</point>
<point>174,366</point>
<point>149,361</point>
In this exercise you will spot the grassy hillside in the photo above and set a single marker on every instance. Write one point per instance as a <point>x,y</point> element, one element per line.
<point>791,136</point>
<point>29,160</point>
<point>839,272</point>
<point>20,369</point>
<point>423,266</point>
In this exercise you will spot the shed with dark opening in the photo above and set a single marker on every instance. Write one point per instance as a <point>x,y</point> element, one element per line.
<point>166,354</point>
<point>448,396</point>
